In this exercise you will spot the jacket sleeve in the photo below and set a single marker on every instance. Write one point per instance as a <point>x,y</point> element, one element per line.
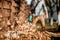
<point>45,7</point>
<point>33,3</point>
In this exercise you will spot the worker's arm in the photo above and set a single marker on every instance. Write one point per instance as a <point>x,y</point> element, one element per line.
<point>46,15</point>
<point>46,11</point>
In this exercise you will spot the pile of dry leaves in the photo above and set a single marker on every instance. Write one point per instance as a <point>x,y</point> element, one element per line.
<point>14,24</point>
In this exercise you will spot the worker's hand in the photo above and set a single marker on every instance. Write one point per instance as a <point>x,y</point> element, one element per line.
<point>46,16</point>
<point>32,8</point>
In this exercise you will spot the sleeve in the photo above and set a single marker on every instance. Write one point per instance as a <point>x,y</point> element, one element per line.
<point>32,3</point>
<point>45,7</point>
